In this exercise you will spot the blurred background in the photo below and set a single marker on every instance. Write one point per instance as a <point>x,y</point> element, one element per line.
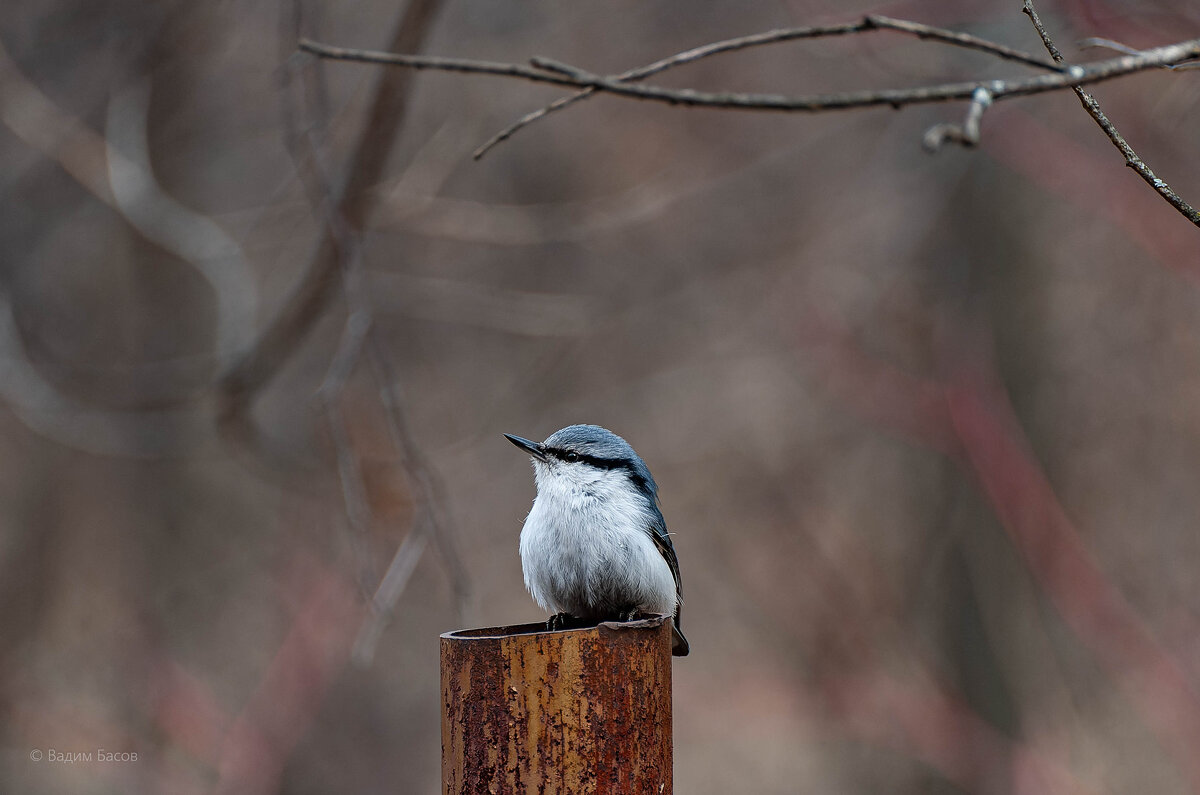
<point>926,427</point>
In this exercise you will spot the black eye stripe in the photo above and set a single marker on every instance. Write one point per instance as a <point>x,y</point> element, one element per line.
<point>602,463</point>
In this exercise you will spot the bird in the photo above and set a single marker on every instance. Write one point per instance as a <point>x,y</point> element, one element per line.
<point>595,546</point>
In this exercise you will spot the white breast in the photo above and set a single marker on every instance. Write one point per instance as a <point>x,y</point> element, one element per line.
<point>586,547</point>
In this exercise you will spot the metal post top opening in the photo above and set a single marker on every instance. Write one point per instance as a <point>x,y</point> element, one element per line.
<point>653,622</point>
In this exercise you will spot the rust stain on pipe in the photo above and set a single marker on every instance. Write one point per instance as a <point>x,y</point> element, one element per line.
<point>579,711</point>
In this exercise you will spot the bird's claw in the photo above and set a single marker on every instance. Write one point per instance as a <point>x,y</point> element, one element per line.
<point>561,621</point>
<point>558,621</point>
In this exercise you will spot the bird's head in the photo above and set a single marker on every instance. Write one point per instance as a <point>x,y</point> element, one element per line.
<point>587,454</point>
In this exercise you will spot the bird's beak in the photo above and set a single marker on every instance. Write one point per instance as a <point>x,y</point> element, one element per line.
<point>533,448</point>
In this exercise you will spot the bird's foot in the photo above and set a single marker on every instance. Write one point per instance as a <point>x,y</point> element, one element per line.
<point>632,614</point>
<point>559,621</point>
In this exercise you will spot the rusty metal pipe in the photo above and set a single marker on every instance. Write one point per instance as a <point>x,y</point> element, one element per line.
<point>577,711</point>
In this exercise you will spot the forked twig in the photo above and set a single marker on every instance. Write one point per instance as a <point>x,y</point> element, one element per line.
<point>545,70</point>
<point>626,84</point>
<point>1093,108</point>
<point>868,23</point>
<point>966,133</point>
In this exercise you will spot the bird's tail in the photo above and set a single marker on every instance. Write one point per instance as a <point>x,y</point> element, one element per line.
<point>679,644</point>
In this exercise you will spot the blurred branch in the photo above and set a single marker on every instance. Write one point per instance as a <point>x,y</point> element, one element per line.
<point>142,433</point>
<point>967,416</point>
<point>87,157</point>
<point>529,224</point>
<point>417,210</point>
<point>123,182</point>
<point>42,125</point>
<point>998,453</point>
<point>316,286</point>
<point>185,709</point>
<point>403,563</point>
<point>482,306</point>
<point>116,170</point>
<point>192,237</point>
<point>855,630</point>
<point>354,489</point>
<point>936,725</point>
<point>1093,108</point>
<point>868,23</point>
<point>361,338</point>
<point>431,494</point>
<point>1057,162</point>
<point>545,70</point>
<point>284,704</point>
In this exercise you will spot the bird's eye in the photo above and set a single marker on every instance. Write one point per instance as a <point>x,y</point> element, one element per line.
<point>571,456</point>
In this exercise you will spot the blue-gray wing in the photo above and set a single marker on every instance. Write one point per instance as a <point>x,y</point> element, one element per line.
<point>662,541</point>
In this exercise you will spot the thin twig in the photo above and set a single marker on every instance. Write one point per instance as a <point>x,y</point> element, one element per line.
<point>966,133</point>
<point>957,39</point>
<point>1094,41</point>
<point>1109,44</point>
<point>1093,108</point>
<point>545,70</point>
<point>868,23</point>
<point>1051,48</point>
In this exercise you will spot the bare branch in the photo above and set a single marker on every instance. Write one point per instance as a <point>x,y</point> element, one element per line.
<point>957,39</point>
<point>545,70</point>
<point>1028,9</point>
<point>868,23</point>
<point>1093,108</point>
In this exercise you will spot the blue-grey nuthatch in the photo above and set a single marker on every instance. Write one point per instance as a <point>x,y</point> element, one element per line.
<point>595,546</point>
